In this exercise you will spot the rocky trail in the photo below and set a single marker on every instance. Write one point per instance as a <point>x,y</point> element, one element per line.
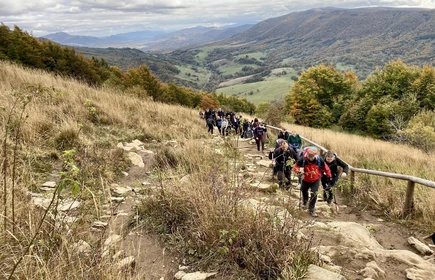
<point>351,243</point>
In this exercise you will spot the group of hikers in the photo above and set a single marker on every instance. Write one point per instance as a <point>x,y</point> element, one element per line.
<point>311,168</point>
<point>229,123</point>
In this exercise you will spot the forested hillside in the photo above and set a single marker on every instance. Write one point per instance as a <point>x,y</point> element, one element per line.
<point>20,47</point>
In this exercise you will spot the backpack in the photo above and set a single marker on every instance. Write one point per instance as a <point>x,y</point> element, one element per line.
<point>259,131</point>
<point>319,162</point>
<point>210,121</point>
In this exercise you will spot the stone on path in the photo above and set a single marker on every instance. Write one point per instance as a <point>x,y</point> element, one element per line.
<point>136,159</point>
<point>49,184</point>
<point>420,246</point>
<point>82,247</point>
<point>198,275</point>
<point>317,273</point>
<point>68,205</point>
<point>126,263</point>
<point>119,191</point>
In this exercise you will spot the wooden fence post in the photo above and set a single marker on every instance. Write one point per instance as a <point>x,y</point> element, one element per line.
<point>352,181</point>
<point>409,199</point>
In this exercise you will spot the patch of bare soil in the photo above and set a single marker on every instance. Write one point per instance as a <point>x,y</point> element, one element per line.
<point>153,260</point>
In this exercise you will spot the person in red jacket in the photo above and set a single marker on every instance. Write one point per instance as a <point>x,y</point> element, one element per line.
<point>312,166</point>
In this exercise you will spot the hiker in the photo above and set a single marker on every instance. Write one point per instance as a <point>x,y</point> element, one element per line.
<point>283,134</point>
<point>312,166</point>
<point>224,127</point>
<point>246,129</point>
<point>210,123</point>
<point>219,123</point>
<point>333,163</point>
<point>294,141</point>
<point>259,136</point>
<point>201,114</point>
<point>220,113</point>
<point>284,158</point>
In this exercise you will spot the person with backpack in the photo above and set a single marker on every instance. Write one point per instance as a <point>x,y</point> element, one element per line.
<point>259,136</point>
<point>219,124</point>
<point>311,166</point>
<point>333,163</point>
<point>294,141</point>
<point>284,157</point>
<point>283,134</point>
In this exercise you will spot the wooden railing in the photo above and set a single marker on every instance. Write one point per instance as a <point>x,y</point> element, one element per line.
<point>409,197</point>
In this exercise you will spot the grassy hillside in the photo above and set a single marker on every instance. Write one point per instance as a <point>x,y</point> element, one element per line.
<point>56,126</point>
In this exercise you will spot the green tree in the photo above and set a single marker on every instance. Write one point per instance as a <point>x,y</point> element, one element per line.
<point>320,92</point>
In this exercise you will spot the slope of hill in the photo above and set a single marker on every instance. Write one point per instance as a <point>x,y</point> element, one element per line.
<point>356,39</point>
<point>84,139</point>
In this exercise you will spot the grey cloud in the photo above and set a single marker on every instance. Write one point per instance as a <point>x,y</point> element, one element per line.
<point>105,17</point>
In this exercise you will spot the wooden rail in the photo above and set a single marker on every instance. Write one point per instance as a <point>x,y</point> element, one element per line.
<point>409,197</point>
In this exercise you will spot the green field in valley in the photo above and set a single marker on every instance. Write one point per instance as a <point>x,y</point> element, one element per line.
<point>198,76</point>
<point>273,87</point>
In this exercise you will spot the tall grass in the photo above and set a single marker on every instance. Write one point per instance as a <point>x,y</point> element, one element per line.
<point>213,225</point>
<point>66,115</point>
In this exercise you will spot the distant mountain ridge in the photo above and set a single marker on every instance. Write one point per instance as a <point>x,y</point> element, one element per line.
<point>367,36</point>
<point>151,40</point>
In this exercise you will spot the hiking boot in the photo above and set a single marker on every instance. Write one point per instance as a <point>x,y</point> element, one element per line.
<point>329,202</point>
<point>313,213</point>
<point>304,206</point>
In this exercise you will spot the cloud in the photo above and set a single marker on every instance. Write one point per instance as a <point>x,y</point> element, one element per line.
<point>106,17</point>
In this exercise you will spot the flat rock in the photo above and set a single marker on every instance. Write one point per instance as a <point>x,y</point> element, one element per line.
<point>198,275</point>
<point>68,205</point>
<point>49,184</point>
<point>136,159</point>
<point>420,246</point>
<point>317,273</point>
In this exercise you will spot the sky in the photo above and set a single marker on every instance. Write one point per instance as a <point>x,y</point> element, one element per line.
<point>101,18</point>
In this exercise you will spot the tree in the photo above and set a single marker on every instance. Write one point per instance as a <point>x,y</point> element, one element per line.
<point>320,92</point>
<point>207,102</point>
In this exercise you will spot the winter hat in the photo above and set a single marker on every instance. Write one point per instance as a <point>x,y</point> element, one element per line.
<point>310,152</point>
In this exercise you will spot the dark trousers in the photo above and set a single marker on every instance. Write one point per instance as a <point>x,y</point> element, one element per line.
<point>314,187</point>
<point>210,128</point>
<point>283,173</point>
<point>258,141</point>
<point>328,195</point>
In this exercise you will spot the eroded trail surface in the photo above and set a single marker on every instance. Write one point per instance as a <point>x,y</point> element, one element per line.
<point>351,243</point>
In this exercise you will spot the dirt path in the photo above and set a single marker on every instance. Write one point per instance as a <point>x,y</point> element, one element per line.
<point>153,261</point>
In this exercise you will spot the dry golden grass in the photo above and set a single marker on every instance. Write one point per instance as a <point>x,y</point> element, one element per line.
<point>65,114</point>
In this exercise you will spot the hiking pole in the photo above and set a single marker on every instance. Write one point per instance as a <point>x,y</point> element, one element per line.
<point>300,176</point>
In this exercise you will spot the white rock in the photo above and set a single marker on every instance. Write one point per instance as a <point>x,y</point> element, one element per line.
<point>99,224</point>
<point>118,255</point>
<point>120,191</point>
<point>146,183</point>
<point>120,145</point>
<point>113,239</point>
<point>317,273</point>
<point>124,173</point>
<point>68,205</point>
<point>49,184</point>
<point>136,159</point>
<point>198,275</point>
<point>420,246</point>
<point>126,263</point>
<point>117,199</point>
<point>183,267</point>
<point>82,247</point>
<point>179,274</point>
